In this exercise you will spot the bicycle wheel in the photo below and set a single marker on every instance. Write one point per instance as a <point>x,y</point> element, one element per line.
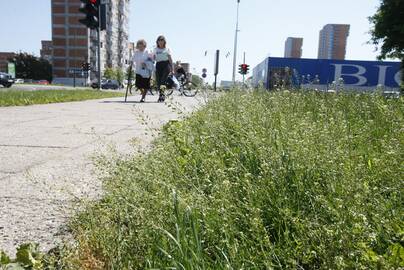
<point>168,91</point>
<point>190,89</point>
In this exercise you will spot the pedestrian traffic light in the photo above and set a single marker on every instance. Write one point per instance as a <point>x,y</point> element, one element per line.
<point>91,9</point>
<point>86,66</point>
<point>243,69</point>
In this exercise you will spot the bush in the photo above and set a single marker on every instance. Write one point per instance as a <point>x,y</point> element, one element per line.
<point>258,181</point>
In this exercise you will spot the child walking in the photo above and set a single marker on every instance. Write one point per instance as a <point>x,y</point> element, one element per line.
<point>143,64</point>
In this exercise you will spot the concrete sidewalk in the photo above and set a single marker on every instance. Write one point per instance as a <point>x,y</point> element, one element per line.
<point>46,158</point>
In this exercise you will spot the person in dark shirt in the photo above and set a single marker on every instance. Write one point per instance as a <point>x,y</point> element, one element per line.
<point>180,73</point>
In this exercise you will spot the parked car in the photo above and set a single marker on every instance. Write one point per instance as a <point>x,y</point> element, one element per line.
<point>43,82</point>
<point>6,80</point>
<point>110,84</point>
<point>106,84</point>
<point>19,81</point>
<point>94,84</point>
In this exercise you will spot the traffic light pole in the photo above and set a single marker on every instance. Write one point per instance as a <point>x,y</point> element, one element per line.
<point>235,45</point>
<point>99,56</point>
<point>92,10</point>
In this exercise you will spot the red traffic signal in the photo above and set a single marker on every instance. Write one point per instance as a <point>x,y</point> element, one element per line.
<point>243,69</point>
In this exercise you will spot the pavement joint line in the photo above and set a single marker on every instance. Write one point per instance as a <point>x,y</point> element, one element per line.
<point>1,171</point>
<point>8,174</point>
<point>55,127</point>
<point>27,121</point>
<point>56,157</point>
<point>34,146</point>
<point>38,199</point>
<point>117,131</point>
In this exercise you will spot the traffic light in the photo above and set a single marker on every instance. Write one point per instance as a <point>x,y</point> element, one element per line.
<point>91,9</point>
<point>246,68</point>
<point>243,69</point>
<point>86,66</point>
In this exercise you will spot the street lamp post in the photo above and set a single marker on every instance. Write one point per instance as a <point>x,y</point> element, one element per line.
<point>235,45</point>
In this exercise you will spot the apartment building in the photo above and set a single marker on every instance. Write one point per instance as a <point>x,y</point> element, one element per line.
<point>293,47</point>
<point>333,41</point>
<point>46,50</point>
<point>74,44</point>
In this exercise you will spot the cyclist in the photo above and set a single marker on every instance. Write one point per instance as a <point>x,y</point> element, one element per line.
<point>180,73</point>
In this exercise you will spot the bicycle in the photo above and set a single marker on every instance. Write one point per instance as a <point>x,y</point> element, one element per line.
<point>185,87</point>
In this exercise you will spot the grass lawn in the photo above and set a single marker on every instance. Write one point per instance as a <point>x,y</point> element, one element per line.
<point>23,98</point>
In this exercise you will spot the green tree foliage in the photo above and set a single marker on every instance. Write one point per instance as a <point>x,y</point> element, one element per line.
<point>388,29</point>
<point>115,74</point>
<point>119,75</point>
<point>130,73</point>
<point>109,74</point>
<point>196,80</point>
<point>29,66</point>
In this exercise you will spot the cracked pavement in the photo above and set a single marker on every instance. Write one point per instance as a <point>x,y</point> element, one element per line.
<point>46,159</point>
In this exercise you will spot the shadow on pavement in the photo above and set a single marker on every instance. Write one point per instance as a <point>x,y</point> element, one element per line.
<point>129,101</point>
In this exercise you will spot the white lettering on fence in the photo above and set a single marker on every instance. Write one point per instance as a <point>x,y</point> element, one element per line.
<point>361,71</point>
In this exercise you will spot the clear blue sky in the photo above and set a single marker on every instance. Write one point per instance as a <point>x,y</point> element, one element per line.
<point>193,27</point>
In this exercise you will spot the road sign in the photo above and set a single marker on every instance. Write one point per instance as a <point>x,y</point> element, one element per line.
<point>204,70</point>
<point>11,69</point>
<point>204,75</point>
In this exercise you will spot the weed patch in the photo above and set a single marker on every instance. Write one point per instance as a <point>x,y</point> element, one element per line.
<point>259,181</point>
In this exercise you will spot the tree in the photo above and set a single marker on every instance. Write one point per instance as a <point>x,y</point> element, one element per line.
<point>130,73</point>
<point>28,66</point>
<point>109,74</point>
<point>114,74</point>
<point>196,80</point>
<point>120,76</point>
<point>388,30</point>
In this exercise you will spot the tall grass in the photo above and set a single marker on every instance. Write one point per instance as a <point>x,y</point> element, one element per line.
<point>24,98</point>
<point>258,181</point>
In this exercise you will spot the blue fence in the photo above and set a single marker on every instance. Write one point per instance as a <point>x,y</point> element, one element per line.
<point>324,72</point>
